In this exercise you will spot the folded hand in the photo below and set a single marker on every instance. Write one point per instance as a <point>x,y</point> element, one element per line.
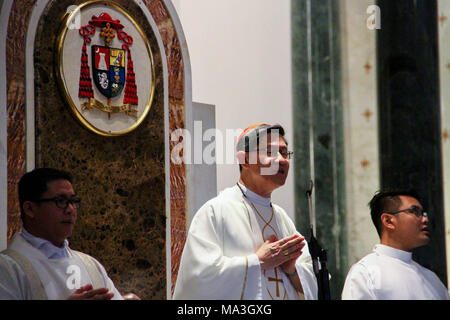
<point>274,252</point>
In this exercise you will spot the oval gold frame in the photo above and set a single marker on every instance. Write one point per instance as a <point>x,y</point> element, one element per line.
<point>60,74</point>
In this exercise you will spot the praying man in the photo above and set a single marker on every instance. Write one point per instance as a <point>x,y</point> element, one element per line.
<point>241,245</point>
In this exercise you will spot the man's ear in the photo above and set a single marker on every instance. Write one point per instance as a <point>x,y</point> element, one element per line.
<point>388,221</point>
<point>241,158</point>
<point>28,208</point>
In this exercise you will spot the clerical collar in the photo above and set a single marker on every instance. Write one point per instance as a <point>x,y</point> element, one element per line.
<point>392,252</point>
<point>254,197</point>
<point>46,247</point>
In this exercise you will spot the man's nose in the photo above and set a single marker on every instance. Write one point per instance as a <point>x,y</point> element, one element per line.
<point>70,208</point>
<point>282,159</point>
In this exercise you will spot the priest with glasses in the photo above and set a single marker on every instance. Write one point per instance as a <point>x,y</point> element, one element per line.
<point>389,272</point>
<point>240,244</point>
<point>39,264</point>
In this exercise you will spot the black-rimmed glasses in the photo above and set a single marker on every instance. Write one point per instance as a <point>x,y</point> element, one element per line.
<point>418,212</point>
<point>62,202</point>
<point>284,153</point>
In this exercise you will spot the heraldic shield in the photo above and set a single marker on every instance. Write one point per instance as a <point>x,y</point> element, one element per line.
<point>110,38</point>
<point>108,66</point>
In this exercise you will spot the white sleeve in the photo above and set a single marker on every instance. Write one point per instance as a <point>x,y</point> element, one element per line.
<point>14,284</point>
<point>358,284</point>
<point>206,273</point>
<point>108,282</point>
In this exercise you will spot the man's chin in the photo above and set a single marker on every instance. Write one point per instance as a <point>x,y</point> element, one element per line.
<point>281,176</point>
<point>278,180</point>
<point>424,241</point>
<point>67,232</point>
<point>282,182</point>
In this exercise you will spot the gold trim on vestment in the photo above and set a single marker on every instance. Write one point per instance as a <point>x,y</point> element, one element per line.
<point>245,278</point>
<point>284,296</point>
<point>266,224</point>
<point>248,214</point>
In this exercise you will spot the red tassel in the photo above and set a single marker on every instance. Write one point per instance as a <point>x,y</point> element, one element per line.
<point>85,84</point>
<point>130,96</point>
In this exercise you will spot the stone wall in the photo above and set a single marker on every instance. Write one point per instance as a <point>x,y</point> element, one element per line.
<point>122,221</point>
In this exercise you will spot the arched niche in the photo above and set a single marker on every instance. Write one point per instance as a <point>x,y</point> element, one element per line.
<point>135,199</point>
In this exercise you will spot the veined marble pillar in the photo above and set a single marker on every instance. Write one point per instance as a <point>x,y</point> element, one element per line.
<point>359,90</point>
<point>318,129</point>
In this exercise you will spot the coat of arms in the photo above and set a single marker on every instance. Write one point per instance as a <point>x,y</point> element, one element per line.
<point>102,89</point>
<point>109,70</point>
<point>112,68</point>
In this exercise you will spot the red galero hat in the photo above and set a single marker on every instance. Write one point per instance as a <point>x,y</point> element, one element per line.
<point>103,19</point>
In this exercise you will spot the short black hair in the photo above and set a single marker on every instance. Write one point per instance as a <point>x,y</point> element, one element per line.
<point>34,183</point>
<point>387,200</point>
<point>255,135</point>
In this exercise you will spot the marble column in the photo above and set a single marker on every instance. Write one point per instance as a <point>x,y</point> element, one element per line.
<point>359,101</point>
<point>444,73</point>
<point>318,129</point>
<point>409,114</point>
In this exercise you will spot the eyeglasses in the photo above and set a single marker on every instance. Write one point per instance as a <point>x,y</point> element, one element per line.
<point>62,202</point>
<point>418,212</point>
<point>284,153</point>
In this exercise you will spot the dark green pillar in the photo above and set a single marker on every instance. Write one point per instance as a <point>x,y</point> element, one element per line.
<point>409,114</point>
<point>318,129</point>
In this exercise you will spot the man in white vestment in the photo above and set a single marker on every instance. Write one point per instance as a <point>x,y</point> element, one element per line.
<point>38,263</point>
<point>389,273</point>
<point>242,246</point>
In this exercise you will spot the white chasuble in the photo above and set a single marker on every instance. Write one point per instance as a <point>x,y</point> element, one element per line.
<point>219,260</point>
<point>274,288</point>
<point>59,277</point>
<point>391,274</point>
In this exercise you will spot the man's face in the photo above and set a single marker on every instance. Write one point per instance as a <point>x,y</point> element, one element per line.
<point>47,220</point>
<point>270,165</point>
<point>411,231</point>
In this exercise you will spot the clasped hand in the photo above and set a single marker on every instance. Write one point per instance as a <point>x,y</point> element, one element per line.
<point>284,252</point>
<point>87,292</point>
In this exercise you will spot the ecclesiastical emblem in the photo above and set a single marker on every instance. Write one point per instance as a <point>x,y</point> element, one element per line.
<point>111,97</point>
<point>108,66</point>
<point>109,70</point>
